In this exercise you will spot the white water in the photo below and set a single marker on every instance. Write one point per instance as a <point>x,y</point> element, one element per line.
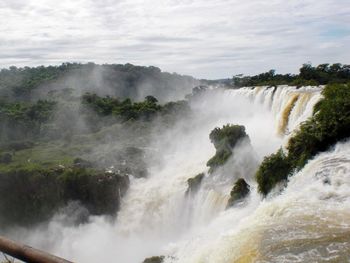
<point>157,218</point>
<point>309,222</point>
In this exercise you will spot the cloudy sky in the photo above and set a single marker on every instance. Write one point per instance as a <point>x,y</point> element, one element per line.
<point>203,38</point>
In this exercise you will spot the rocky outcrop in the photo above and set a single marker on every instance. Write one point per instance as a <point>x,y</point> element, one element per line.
<point>194,183</point>
<point>34,195</point>
<point>156,259</point>
<point>224,140</point>
<point>239,191</point>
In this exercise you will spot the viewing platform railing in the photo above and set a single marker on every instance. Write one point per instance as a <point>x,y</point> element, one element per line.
<point>26,253</point>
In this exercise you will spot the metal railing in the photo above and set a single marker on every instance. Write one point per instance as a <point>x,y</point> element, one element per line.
<point>27,253</point>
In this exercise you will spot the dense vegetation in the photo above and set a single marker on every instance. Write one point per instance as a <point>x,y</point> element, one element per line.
<point>126,110</point>
<point>123,81</point>
<point>24,120</point>
<point>224,140</point>
<point>239,191</point>
<point>330,123</point>
<point>274,169</point>
<point>66,137</point>
<point>308,75</point>
<point>31,152</point>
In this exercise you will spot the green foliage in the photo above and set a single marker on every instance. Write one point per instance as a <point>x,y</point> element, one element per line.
<point>124,81</point>
<point>21,120</point>
<point>274,169</point>
<point>239,191</point>
<point>219,159</point>
<point>227,136</point>
<point>329,124</point>
<point>125,110</point>
<point>151,99</point>
<point>308,76</point>
<point>24,115</point>
<point>224,140</point>
<point>40,138</point>
<point>20,82</point>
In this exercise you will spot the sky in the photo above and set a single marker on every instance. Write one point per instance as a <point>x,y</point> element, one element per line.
<point>203,38</point>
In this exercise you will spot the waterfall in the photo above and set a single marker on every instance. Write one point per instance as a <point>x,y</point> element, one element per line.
<point>158,218</point>
<point>308,222</point>
<point>158,205</point>
<point>289,105</point>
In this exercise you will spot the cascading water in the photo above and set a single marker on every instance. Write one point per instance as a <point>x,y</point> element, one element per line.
<point>289,105</point>
<point>308,222</point>
<point>157,217</point>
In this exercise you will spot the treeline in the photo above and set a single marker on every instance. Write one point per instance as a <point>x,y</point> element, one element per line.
<point>308,76</point>
<point>128,110</point>
<point>51,119</point>
<point>124,81</point>
<point>21,120</point>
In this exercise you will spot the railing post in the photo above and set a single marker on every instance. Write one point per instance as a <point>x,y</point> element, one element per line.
<point>27,253</point>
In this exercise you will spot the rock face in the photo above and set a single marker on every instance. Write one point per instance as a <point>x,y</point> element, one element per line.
<point>224,140</point>
<point>239,191</point>
<point>157,259</point>
<point>30,196</point>
<point>194,183</point>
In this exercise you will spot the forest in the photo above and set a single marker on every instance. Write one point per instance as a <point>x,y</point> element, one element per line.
<point>308,76</point>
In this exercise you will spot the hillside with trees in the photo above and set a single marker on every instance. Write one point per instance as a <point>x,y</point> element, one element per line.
<point>308,76</point>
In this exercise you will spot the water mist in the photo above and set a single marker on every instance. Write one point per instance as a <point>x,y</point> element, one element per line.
<point>158,218</point>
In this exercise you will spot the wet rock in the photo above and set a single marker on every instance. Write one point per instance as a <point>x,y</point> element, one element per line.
<point>194,183</point>
<point>31,196</point>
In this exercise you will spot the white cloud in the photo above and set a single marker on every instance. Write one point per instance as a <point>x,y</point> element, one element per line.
<point>209,39</point>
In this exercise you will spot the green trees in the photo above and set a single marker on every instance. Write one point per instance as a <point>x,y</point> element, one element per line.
<point>239,191</point>
<point>329,124</point>
<point>125,110</point>
<point>224,140</point>
<point>308,75</point>
<point>123,81</point>
<point>274,169</point>
<point>23,120</point>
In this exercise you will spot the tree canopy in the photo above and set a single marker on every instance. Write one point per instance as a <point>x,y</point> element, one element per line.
<point>308,75</point>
